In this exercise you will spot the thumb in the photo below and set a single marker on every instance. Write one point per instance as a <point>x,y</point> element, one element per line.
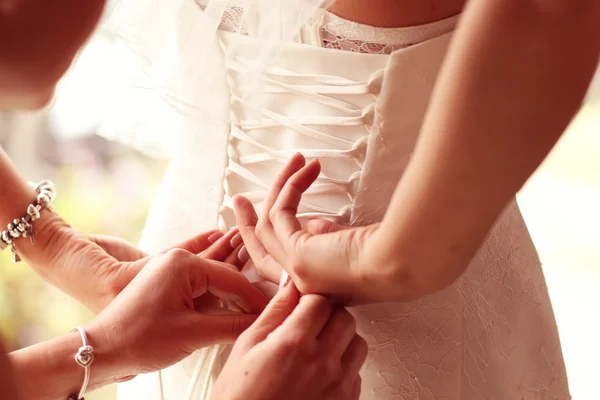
<point>320,226</point>
<point>118,248</point>
<point>279,308</point>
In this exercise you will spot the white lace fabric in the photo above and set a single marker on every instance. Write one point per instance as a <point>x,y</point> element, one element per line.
<point>341,34</point>
<point>337,33</point>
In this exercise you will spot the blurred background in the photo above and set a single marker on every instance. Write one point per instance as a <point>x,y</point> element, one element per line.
<point>107,188</point>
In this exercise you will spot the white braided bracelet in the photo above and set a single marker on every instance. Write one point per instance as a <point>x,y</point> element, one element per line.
<point>84,358</point>
<point>23,227</point>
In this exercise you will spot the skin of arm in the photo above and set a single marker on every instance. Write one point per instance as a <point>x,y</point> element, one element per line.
<point>60,254</point>
<point>38,41</point>
<point>54,358</point>
<point>521,68</point>
<point>515,75</point>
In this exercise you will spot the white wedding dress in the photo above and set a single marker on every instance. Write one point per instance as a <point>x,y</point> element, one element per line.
<point>491,335</point>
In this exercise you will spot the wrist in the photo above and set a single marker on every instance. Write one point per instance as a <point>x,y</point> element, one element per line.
<point>108,366</point>
<point>51,236</point>
<point>111,362</point>
<point>64,257</point>
<point>48,370</point>
<point>389,270</point>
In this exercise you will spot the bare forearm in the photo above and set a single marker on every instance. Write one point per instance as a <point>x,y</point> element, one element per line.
<point>15,196</point>
<point>48,371</point>
<point>514,77</point>
<point>54,240</point>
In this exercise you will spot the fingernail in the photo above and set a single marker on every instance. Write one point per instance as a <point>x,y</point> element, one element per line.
<point>284,280</point>
<point>236,240</point>
<point>215,236</point>
<point>243,255</point>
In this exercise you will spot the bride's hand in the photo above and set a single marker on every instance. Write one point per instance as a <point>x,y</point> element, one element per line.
<point>95,269</point>
<point>325,258</point>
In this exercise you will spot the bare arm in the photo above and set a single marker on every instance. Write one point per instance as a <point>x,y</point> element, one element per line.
<point>61,255</point>
<point>521,69</point>
<point>514,77</point>
<point>34,365</point>
<point>38,40</point>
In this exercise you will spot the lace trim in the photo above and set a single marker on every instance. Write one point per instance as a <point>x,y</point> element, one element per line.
<point>341,34</point>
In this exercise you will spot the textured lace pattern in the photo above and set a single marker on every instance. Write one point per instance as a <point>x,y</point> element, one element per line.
<point>340,34</point>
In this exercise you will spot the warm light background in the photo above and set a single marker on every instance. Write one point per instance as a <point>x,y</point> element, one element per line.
<point>107,188</point>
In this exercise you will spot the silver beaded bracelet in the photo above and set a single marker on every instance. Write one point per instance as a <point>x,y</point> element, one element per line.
<point>23,227</point>
<point>84,358</point>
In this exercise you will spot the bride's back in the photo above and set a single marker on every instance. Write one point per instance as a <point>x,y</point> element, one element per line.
<point>396,13</point>
<point>489,336</point>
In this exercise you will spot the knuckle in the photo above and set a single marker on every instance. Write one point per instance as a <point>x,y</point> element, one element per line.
<point>177,254</point>
<point>302,284</point>
<point>237,327</point>
<point>316,302</point>
<point>355,389</point>
<point>295,343</point>
<point>300,271</point>
<point>362,347</point>
<point>261,229</point>
<point>296,265</point>
<point>273,214</point>
<point>331,369</point>
<point>347,319</point>
<point>261,269</point>
<point>362,343</point>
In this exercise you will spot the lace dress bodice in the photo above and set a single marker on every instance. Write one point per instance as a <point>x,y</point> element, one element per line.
<point>491,335</point>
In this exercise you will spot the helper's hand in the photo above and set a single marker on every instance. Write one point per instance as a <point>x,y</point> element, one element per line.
<point>153,322</point>
<point>326,258</point>
<point>299,348</point>
<point>95,269</point>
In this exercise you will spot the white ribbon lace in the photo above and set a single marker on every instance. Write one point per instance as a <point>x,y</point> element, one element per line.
<point>327,90</point>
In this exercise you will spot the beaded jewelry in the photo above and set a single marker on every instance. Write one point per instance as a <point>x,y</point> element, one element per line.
<point>23,227</point>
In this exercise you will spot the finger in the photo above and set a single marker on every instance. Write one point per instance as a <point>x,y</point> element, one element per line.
<point>234,259</point>
<point>278,310</point>
<point>247,219</point>
<point>118,248</point>
<point>356,388</point>
<point>296,162</point>
<point>283,213</point>
<point>266,233</point>
<point>355,356</point>
<point>229,285</point>
<point>339,332</point>
<point>269,289</point>
<point>320,226</point>
<point>310,317</point>
<point>203,330</point>
<point>198,243</point>
<point>220,249</point>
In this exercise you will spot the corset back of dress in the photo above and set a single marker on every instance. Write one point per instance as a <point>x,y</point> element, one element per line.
<point>490,335</point>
